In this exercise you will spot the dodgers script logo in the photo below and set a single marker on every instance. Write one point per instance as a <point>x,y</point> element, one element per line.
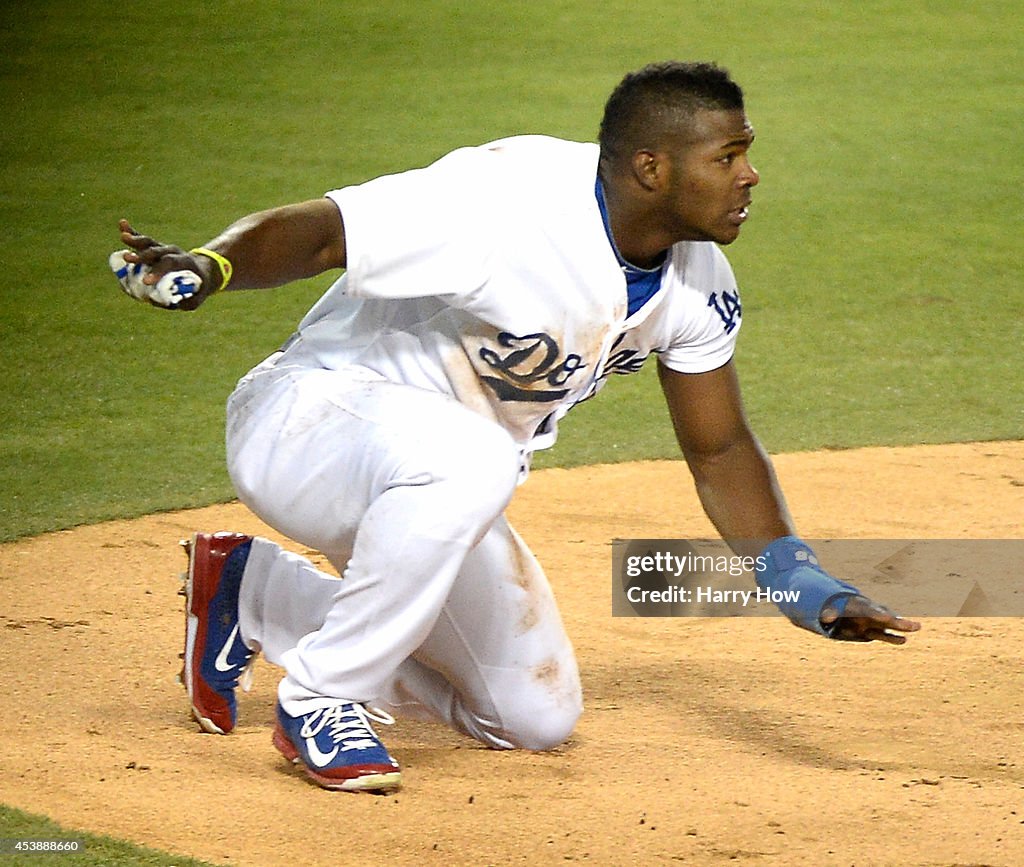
<point>531,360</point>
<point>623,360</point>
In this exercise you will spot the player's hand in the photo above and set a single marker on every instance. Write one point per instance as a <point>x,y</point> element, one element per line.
<point>860,619</point>
<point>161,274</point>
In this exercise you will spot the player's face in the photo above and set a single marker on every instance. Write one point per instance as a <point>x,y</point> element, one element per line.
<point>709,180</point>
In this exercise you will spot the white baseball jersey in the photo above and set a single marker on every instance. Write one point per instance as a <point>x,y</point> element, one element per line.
<point>489,276</point>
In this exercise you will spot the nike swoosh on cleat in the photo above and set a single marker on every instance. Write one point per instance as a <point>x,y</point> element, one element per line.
<point>221,662</point>
<point>315,756</point>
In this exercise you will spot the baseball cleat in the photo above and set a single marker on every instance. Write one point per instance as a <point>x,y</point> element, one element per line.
<point>338,747</point>
<point>216,659</point>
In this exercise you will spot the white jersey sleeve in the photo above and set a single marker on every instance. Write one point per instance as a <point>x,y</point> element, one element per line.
<point>706,336</point>
<point>424,232</point>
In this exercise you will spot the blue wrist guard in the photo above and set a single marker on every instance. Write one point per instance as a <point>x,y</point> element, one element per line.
<point>799,586</point>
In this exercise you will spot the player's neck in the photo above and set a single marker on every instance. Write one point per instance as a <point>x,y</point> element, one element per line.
<point>636,239</point>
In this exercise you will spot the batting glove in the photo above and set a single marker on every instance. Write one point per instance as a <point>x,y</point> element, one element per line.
<point>169,291</point>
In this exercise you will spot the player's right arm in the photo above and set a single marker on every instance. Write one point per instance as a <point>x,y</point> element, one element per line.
<point>265,249</point>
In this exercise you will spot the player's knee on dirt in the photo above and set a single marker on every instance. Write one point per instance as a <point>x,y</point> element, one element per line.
<point>540,716</point>
<point>544,728</point>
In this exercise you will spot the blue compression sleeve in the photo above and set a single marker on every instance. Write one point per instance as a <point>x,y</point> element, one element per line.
<point>789,565</point>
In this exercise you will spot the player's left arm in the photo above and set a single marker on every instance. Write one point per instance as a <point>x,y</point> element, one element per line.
<point>740,493</point>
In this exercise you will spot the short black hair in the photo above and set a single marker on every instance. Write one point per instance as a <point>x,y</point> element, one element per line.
<point>662,96</point>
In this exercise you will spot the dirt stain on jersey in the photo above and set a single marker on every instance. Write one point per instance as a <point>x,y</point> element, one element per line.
<point>521,565</point>
<point>523,575</point>
<point>529,619</point>
<point>548,673</point>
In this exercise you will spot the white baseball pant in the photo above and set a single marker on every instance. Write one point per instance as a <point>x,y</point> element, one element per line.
<point>443,613</point>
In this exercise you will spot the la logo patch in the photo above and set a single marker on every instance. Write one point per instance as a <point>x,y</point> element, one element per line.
<point>728,308</point>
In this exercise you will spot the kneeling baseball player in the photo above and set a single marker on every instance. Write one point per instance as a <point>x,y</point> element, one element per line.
<point>482,298</point>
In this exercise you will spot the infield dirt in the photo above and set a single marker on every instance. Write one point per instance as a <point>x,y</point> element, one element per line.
<point>704,741</point>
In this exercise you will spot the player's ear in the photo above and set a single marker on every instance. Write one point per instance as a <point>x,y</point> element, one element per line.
<point>650,169</point>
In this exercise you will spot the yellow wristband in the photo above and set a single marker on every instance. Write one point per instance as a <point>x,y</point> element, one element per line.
<point>226,269</point>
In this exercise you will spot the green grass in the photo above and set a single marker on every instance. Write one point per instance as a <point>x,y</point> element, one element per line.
<point>881,280</point>
<point>95,849</point>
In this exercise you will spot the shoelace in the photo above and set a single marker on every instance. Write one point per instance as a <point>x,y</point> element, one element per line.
<point>349,725</point>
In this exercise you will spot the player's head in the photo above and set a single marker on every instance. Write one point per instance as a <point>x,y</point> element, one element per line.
<point>662,99</point>
<point>674,154</point>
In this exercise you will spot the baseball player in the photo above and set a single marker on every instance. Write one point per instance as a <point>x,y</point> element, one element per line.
<point>483,297</point>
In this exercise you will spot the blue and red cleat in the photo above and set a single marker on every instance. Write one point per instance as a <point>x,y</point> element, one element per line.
<point>338,747</point>
<point>216,659</point>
